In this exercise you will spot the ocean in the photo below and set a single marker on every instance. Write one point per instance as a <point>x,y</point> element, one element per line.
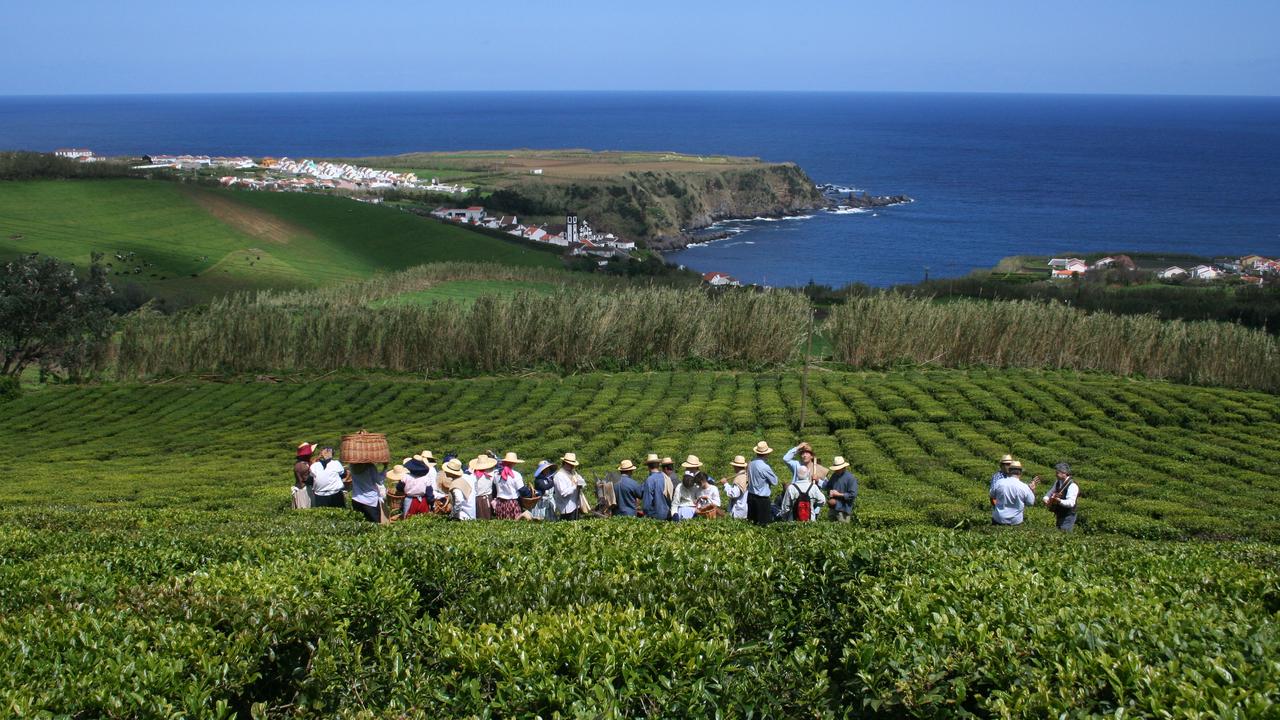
<point>992,175</point>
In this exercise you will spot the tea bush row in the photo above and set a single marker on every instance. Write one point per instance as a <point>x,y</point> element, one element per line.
<point>1154,459</point>
<point>156,613</point>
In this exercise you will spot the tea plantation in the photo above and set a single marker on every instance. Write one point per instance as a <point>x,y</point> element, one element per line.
<point>150,566</point>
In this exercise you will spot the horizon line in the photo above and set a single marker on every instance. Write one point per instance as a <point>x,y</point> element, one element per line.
<point>1046,93</point>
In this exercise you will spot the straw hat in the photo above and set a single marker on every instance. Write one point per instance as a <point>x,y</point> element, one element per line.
<point>739,461</point>
<point>482,463</point>
<point>762,448</point>
<point>626,466</point>
<point>652,459</point>
<point>453,468</point>
<point>1006,459</point>
<point>425,457</point>
<point>691,462</point>
<point>306,449</point>
<point>668,461</point>
<point>512,458</point>
<point>398,473</point>
<point>838,463</point>
<point>570,459</point>
<point>1015,465</point>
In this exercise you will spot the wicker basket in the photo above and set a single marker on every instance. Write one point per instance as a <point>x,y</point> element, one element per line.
<point>365,447</point>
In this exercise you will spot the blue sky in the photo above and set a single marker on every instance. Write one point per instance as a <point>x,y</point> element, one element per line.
<point>1117,46</point>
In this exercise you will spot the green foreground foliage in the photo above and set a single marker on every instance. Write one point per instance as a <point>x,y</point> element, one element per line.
<point>183,612</point>
<point>150,566</point>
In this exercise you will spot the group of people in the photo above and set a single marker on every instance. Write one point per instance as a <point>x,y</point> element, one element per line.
<point>491,487</point>
<point>1010,496</point>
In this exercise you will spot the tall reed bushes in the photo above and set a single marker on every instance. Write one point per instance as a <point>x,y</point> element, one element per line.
<point>882,330</point>
<point>573,329</point>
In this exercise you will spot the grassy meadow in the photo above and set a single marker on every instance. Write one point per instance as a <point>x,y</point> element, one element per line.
<point>150,565</point>
<point>194,243</point>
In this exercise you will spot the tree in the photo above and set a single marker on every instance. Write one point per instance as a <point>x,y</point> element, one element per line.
<point>51,315</point>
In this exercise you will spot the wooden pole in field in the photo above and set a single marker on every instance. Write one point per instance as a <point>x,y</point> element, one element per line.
<point>804,373</point>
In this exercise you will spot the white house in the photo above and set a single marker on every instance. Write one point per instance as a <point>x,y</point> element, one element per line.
<point>1205,272</point>
<point>1071,266</point>
<point>1064,263</point>
<point>719,279</point>
<point>73,153</point>
<point>1170,273</point>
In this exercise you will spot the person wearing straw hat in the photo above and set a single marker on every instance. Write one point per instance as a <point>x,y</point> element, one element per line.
<point>627,491</point>
<point>482,478</point>
<point>809,461</point>
<point>569,488</point>
<point>302,496</point>
<point>1061,499</point>
<point>656,500</point>
<point>1010,496</point>
<point>669,469</point>
<point>460,491</point>
<point>760,482</point>
<point>735,488</point>
<point>506,506</point>
<point>419,490</point>
<point>327,477</point>
<point>684,505</point>
<point>1005,463</point>
<point>842,490</point>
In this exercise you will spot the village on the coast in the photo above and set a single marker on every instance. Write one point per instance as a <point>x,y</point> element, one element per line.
<point>1249,269</point>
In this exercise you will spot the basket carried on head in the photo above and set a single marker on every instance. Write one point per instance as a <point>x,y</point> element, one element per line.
<point>365,447</point>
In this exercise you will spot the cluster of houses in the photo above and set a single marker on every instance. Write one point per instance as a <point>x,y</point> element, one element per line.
<point>194,162</point>
<point>79,154</point>
<point>575,234</point>
<point>1252,269</point>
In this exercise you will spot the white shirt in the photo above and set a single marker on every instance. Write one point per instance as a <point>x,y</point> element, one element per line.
<point>738,506</point>
<point>464,508</point>
<point>1068,499</point>
<point>328,477</point>
<point>709,496</point>
<point>367,486</point>
<point>816,498</point>
<point>417,486</point>
<point>510,489</point>
<point>483,482</point>
<point>567,484</point>
<point>685,496</point>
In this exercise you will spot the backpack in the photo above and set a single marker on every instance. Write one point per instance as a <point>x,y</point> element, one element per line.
<point>802,510</point>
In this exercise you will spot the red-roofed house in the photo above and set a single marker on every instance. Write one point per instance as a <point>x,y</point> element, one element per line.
<point>719,279</point>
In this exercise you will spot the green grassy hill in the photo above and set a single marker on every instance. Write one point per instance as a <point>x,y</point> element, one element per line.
<point>192,243</point>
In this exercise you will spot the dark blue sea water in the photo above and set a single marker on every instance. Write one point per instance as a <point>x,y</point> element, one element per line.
<point>993,175</point>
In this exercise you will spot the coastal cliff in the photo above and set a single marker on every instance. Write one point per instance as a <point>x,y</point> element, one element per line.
<point>657,207</point>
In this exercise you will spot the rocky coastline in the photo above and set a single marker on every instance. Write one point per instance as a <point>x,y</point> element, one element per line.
<point>832,201</point>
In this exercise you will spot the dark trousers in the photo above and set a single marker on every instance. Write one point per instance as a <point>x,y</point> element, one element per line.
<point>372,513</point>
<point>759,509</point>
<point>335,500</point>
<point>1066,521</point>
<point>570,516</point>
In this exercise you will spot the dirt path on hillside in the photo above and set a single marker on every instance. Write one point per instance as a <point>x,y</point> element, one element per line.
<point>249,220</point>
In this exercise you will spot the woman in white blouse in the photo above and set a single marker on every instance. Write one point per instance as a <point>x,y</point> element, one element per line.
<point>506,504</point>
<point>460,490</point>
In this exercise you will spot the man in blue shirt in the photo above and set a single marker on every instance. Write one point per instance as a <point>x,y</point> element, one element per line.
<point>1010,496</point>
<point>842,490</point>
<point>760,482</point>
<point>655,501</point>
<point>628,492</point>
